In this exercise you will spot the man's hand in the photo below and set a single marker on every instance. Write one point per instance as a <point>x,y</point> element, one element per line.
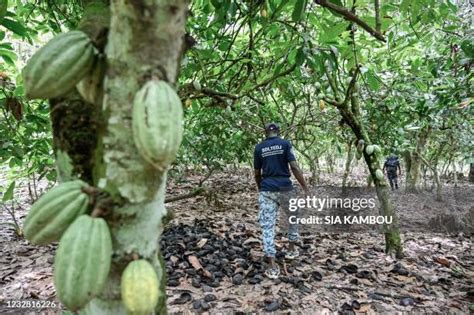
<point>299,176</point>
<point>258,178</point>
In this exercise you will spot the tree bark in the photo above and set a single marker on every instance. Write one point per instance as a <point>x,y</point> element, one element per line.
<point>352,117</point>
<point>471,170</point>
<point>439,186</point>
<point>347,167</point>
<point>413,184</point>
<point>145,41</point>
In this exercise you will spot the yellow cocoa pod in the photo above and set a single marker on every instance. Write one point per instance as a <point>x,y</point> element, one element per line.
<point>139,287</point>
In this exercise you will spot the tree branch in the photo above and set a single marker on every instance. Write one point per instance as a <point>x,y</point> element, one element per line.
<point>378,24</point>
<point>348,15</point>
<point>194,193</point>
<point>270,80</point>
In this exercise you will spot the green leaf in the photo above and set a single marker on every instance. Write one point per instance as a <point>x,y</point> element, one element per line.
<point>8,60</point>
<point>217,3</point>
<point>298,10</point>
<point>3,8</point>
<point>331,33</point>
<point>372,80</point>
<point>300,57</point>
<point>15,27</point>
<point>468,47</point>
<point>8,195</point>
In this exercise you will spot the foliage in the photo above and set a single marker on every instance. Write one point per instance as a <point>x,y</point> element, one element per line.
<point>285,61</point>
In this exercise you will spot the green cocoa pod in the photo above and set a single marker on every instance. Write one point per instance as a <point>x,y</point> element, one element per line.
<point>377,149</point>
<point>52,214</point>
<point>3,9</point>
<point>139,286</point>
<point>379,174</point>
<point>91,87</point>
<point>369,149</point>
<point>197,86</point>
<point>317,85</point>
<point>58,66</point>
<point>82,261</point>
<point>157,122</point>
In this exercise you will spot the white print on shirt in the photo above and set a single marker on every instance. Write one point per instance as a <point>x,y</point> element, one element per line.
<point>273,150</point>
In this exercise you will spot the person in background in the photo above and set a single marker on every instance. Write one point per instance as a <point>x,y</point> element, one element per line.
<point>390,167</point>
<point>273,159</point>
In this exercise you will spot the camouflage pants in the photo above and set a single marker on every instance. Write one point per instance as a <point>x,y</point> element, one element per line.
<point>392,179</point>
<point>270,202</point>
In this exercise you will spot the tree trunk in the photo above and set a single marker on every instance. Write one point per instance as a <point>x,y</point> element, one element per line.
<point>313,168</point>
<point>317,170</point>
<point>347,167</point>
<point>424,171</point>
<point>330,163</point>
<point>407,159</point>
<point>94,143</point>
<point>352,116</point>
<point>439,188</point>
<point>455,168</point>
<point>413,183</point>
<point>471,170</point>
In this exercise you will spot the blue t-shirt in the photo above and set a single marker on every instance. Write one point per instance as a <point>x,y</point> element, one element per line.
<point>272,156</point>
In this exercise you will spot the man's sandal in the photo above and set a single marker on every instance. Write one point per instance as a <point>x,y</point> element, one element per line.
<point>273,273</point>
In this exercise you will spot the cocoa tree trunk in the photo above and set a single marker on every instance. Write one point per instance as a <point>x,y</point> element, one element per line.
<point>351,115</point>
<point>455,168</point>
<point>347,167</point>
<point>413,177</point>
<point>471,170</point>
<point>434,168</point>
<point>313,167</point>
<point>407,159</point>
<point>145,42</point>
<point>439,187</point>
<point>94,143</point>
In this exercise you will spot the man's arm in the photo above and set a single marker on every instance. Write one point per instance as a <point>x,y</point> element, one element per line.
<point>258,178</point>
<point>295,169</point>
<point>257,166</point>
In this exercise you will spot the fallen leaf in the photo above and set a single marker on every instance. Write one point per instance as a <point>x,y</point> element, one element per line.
<point>443,261</point>
<point>194,261</point>
<point>202,242</point>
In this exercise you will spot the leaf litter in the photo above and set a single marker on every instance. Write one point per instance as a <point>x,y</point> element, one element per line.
<point>213,259</point>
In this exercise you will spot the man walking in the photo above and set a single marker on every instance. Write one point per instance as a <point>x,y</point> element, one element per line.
<point>390,167</point>
<point>273,159</point>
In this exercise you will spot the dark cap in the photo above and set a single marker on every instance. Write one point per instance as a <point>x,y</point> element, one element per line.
<point>272,127</point>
